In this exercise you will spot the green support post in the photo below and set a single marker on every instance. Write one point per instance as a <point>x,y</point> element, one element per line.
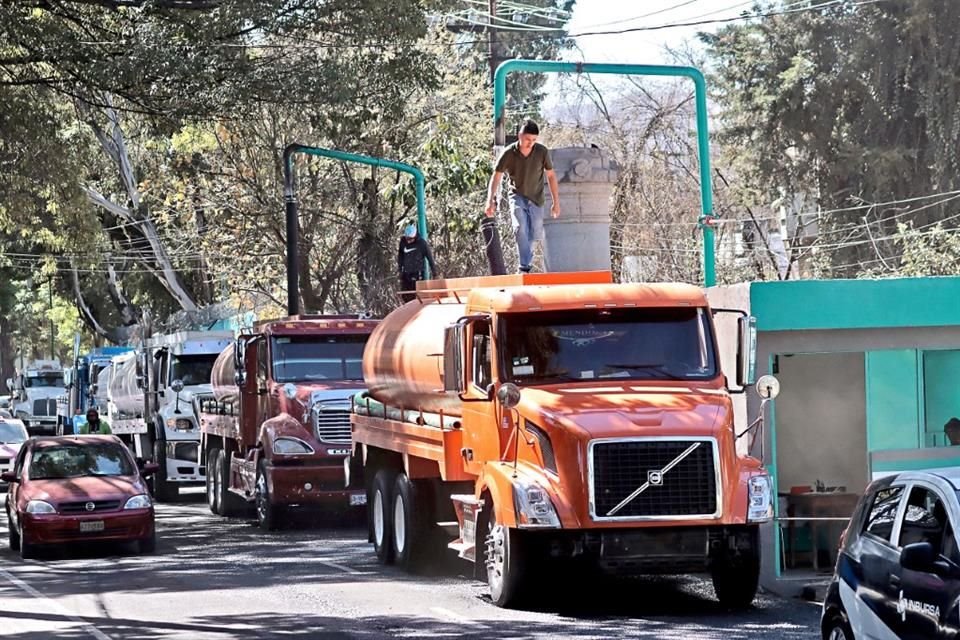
<point>290,199</point>
<point>703,141</point>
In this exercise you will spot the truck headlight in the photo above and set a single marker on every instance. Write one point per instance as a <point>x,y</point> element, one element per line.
<point>139,502</point>
<point>533,507</point>
<point>759,499</point>
<point>291,447</point>
<point>39,506</point>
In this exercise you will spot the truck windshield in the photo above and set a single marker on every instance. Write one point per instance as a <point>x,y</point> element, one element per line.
<point>192,369</point>
<point>674,343</point>
<point>55,380</point>
<point>73,460</point>
<point>303,358</point>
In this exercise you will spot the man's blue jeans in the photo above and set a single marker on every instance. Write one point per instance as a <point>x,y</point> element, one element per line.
<point>527,227</point>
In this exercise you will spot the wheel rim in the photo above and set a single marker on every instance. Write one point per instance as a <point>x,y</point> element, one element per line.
<point>262,498</point>
<point>378,518</point>
<point>837,633</point>
<point>212,487</point>
<point>495,560</point>
<point>399,525</point>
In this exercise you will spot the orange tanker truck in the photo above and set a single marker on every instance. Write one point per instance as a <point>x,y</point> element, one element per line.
<point>544,417</point>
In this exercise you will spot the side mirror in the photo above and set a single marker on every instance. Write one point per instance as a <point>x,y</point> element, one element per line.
<point>177,386</point>
<point>919,556</point>
<point>768,387</point>
<point>509,395</point>
<point>746,350</point>
<point>453,370</point>
<point>149,469</point>
<point>8,477</point>
<point>9,382</point>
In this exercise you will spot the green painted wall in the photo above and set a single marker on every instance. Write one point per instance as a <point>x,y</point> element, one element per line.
<point>893,400</point>
<point>856,304</point>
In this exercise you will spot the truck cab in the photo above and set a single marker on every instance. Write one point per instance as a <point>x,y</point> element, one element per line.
<point>560,417</point>
<point>276,427</point>
<point>36,390</point>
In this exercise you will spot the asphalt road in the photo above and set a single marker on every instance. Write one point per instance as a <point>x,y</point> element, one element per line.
<point>213,578</point>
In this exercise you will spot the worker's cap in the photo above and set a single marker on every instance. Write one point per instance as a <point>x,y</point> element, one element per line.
<point>410,231</point>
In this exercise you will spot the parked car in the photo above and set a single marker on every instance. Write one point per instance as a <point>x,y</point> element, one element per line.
<point>78,488</point>
<point>13,434</point>
<point>898,570</point>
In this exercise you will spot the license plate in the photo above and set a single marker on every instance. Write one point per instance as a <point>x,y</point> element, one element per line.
<point>91,525</point>
<point>358,499</point>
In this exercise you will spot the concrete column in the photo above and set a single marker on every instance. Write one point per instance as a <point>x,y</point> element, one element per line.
<point>579,240</point>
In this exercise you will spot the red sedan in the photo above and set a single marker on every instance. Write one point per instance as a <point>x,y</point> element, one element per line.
<point>78,488</point>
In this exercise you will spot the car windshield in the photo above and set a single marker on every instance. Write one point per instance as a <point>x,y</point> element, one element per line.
<point>648,343</point>
<point>12,432</point>
<point>81,459</point>
<point>55,380</point>
<point>332,357</point>
<point>192,369</point>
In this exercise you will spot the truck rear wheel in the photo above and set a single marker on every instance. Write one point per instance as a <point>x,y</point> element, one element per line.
<point>735,579</point>
<point>269,515</point>
<point>410,531</point>
<point>229,504</point>
<point>506,561</point>
<point>381,516</point>
<point>163,489</point>
<point>213,492</point>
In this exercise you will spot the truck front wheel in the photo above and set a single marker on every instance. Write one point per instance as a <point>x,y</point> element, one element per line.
<point>163,489</point>
<point>506,561</point>
<point>735,578</point>
<point>381,516</point>
<point>269,514</point>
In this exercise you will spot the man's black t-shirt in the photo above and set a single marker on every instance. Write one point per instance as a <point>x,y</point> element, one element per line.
<point>410,257</point>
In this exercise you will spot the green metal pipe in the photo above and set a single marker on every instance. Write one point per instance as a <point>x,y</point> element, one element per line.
<point>703,139</point>
<point>418,178</point>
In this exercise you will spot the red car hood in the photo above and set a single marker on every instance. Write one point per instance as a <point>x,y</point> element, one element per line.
<point>84,488</point>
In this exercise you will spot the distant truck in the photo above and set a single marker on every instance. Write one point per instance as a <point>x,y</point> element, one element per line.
<point>276,426</point>
<point>549,418</point>
<point>34,393</point>
<point>150,403</point>
<point>89,373</point>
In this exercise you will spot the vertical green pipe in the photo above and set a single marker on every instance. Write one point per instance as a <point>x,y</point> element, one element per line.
<point>703,139</point>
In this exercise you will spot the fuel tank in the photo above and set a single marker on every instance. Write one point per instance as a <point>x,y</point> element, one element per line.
<point>124,392</point>
<point>222,377</point>
<point>403,359</point>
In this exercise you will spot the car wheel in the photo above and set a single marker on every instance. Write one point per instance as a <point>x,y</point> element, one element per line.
<point>13,536</point>
<point>28,550</point>
<point>837,628</point>
<point>148,544</point>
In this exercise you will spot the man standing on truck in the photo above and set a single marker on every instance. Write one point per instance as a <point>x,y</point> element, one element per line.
<point>410,256</point>
<point>526,163</point>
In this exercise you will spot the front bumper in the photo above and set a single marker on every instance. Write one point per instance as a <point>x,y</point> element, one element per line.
<point>288,484</point>
<point>54,528</point>
<point>41,426</point>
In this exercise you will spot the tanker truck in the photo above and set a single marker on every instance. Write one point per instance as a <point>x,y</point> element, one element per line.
<point>150,403</point>
<point>276,424</point>
<point>554,418</point>
<point>34,393</point>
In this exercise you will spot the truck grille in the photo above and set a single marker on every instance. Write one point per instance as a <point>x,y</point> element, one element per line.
<point>687,489</point>
<point>332,425</point>
<point>81,507</point>
<point>45,407</point>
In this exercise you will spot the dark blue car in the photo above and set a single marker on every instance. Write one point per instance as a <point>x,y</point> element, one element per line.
<point>898,570</point>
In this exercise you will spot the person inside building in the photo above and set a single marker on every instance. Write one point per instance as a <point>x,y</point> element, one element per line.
<point>527,163</point>
<point>952,431</point>
<point>94,425</point>
<point>411,255</point>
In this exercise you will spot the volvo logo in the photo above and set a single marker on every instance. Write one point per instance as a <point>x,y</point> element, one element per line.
<point>655,478</point>
<point>89,506</point>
